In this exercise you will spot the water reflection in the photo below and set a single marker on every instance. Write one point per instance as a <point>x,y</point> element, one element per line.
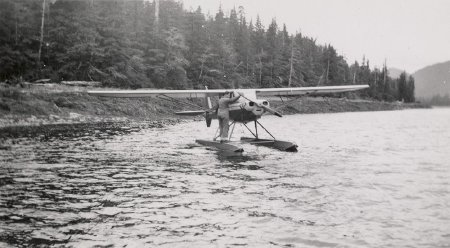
<point>113,186</point>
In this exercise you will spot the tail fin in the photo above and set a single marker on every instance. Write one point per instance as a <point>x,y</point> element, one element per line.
<point>207,114</point>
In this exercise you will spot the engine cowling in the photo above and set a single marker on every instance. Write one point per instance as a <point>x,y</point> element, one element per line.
<point>257,107</point>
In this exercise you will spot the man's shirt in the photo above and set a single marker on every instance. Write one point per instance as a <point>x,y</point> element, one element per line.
<point>223,105</point>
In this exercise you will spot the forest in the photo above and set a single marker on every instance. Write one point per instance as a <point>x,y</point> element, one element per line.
<point>160,44</point>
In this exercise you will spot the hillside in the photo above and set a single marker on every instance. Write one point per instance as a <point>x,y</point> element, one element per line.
<point>141,44</point>
<point>433,80</point>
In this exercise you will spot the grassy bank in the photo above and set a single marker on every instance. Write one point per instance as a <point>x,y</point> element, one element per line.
<point>56,104</point>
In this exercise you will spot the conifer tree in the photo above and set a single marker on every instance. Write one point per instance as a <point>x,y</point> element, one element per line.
<point>402,87</point>
<point>410,89</point>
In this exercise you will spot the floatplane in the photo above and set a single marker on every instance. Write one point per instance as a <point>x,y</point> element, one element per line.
<point>248,109</point>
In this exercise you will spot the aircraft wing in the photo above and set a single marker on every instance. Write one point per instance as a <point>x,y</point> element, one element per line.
<point>154,93</point>
<point>252,93</point>
<point>321,90</point>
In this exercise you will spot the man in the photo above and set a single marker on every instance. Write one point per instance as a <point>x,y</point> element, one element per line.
<point>223,113</point>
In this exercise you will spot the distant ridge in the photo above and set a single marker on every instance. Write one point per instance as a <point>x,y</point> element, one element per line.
<point>433,80</point>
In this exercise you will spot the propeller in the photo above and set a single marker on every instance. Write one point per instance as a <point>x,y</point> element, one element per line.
<point>208,119</point>
<point>272,111</point>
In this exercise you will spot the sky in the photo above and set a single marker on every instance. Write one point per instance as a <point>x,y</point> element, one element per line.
<point>408,34</point>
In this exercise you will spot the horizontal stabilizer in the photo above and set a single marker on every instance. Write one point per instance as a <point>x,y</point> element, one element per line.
<point>191,112</point>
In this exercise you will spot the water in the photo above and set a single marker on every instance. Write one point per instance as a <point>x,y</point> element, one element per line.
<point>368,179</point>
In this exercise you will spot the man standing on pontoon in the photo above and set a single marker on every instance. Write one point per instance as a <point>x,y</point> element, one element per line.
<point>223,113</point>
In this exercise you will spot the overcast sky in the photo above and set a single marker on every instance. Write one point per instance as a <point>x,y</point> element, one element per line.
<point>410,34</point>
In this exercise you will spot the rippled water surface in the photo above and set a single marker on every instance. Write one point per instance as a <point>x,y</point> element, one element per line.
<point>369,179</point>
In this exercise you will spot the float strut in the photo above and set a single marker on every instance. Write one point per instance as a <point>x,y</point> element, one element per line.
<point>216,135</point>
<point>264,130</point>
<point>249,129</point>
<point>232,130</point>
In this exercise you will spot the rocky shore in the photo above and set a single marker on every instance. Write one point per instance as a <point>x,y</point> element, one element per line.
<point>37,109</point>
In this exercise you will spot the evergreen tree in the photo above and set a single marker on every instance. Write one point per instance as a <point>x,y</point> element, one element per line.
<point>402,87</point>
<point>196,40</point>
<point>273,49</point>
<point>410,90</point>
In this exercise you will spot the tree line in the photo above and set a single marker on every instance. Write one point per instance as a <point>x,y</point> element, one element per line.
<point>159,44</point>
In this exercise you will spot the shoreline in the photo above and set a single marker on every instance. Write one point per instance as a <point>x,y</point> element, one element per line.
<point>27,109</point>
<point>318,105</point>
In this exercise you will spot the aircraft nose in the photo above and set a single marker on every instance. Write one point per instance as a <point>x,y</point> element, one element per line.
<point>258,111</point>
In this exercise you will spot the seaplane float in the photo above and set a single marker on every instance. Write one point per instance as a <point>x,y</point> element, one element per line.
<point>247,109</point>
